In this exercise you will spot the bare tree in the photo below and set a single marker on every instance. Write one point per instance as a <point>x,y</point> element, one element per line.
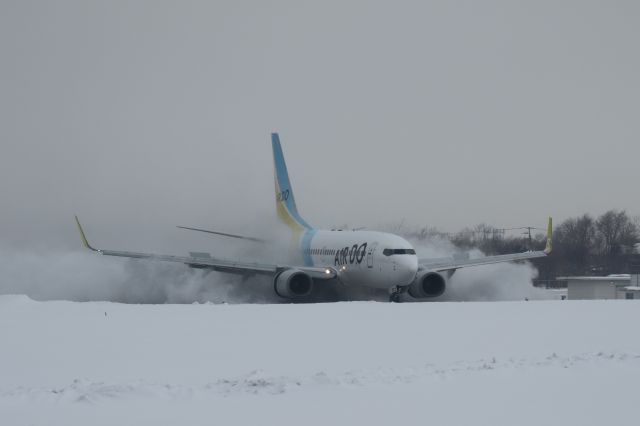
<point>464,239</point>
<point>615,233</point>
<point>573,242</point>
<point>575,237</point>
<point>581,244</point>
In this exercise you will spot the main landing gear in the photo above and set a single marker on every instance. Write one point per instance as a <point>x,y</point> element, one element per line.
<point>394,294</point>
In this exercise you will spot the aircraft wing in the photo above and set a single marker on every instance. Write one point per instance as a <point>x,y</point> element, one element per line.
<point>446,265</point>
<point>206,261</point>
<point>441,265</point>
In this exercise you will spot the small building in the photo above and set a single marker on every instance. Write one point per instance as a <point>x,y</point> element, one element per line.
<point>609,287</point>
<point>631,292</point>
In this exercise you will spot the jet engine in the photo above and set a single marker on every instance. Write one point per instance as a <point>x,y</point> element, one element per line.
<point>427,284</point>
<point>293,284</point>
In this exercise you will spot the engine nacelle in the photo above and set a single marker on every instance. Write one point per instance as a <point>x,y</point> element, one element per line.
<point>293,284</point>
<point>427,284</point>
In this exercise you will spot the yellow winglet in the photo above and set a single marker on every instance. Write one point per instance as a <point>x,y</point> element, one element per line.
<point>549,246</point>
<point>84,237</point>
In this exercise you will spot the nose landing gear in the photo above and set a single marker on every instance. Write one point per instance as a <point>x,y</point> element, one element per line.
<point>395,292</point>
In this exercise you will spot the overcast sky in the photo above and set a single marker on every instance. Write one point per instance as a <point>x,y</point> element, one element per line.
<point>142,115</point>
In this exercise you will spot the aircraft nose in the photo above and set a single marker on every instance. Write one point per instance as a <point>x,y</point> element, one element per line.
<point>409,267</point>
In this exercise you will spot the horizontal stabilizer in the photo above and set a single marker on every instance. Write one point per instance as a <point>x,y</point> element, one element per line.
<point>224,234</point>
<point>200,255</point>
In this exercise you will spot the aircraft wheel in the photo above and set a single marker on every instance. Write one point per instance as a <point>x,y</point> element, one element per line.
<point>394,296</point>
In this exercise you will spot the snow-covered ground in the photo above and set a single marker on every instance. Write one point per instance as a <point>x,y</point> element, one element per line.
<point>493,363</point>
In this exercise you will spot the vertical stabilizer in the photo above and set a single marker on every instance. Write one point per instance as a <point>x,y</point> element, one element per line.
<point>285,201</point>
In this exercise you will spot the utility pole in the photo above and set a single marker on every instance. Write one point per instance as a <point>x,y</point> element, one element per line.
<point>527,232</point>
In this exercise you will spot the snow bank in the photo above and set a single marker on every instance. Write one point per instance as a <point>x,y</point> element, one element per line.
<point>347,363</point>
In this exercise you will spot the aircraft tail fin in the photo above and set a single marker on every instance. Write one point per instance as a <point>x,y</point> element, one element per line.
<point>285,201</point>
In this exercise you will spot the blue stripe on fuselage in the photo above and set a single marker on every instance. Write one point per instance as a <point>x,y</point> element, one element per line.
<point>305,245</point>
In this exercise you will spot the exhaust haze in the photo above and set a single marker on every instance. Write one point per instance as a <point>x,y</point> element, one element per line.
<point>85,276</point>
<point>502,281</point>
<point>81,276</point>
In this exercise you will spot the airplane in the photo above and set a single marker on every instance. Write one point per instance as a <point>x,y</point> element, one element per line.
<point>363,258</point>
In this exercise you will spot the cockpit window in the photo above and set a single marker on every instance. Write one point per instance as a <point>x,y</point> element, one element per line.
<point>390,252</point>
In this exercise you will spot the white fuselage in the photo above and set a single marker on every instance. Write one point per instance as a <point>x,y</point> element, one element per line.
<point>362,258</point>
